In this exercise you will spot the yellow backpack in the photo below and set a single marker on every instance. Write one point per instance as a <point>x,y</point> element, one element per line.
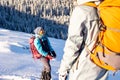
<point>106,53</point>
<point>109,11</point>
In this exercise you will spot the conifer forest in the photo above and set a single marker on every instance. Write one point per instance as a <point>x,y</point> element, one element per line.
<point>26,15</point>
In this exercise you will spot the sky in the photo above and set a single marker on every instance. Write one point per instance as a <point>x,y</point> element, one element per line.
<point>16,62</point>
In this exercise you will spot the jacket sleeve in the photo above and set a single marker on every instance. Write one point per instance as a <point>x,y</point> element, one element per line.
<point>74,40</point>
<point>39,47</point>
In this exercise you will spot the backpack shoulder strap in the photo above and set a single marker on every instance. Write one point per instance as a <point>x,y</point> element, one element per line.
<point>92,4</point>
<point>40,40</point>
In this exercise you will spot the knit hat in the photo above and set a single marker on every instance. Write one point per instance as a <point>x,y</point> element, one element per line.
<point>37,30</point>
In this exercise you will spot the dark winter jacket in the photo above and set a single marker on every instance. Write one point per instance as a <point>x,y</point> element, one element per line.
<point>42,44</point>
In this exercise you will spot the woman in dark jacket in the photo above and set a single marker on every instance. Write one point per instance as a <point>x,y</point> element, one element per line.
<point>44,47</point>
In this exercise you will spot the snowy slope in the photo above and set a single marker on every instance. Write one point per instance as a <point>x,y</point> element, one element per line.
<point>16,62</point>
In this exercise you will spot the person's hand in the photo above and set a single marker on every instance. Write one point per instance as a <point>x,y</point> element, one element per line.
<point>62,77</point>
<point>49,57</point>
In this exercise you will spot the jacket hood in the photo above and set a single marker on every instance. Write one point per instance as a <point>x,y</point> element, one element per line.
<point>37,30</point>
<point>84,1</point>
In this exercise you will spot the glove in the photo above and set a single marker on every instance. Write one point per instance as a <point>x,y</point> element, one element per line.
<point>62,77</point>
<point>49,57</point>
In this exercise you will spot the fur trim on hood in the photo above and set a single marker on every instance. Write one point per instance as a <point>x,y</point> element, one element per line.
<point>79,2</point>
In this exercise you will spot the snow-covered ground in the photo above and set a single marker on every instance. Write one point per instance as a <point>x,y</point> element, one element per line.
<point>16,62</point>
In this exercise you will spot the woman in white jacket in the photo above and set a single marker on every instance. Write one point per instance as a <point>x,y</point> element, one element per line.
<point>83,27</point>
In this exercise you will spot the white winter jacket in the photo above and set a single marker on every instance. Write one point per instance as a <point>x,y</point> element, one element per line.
<point>83,27</point>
